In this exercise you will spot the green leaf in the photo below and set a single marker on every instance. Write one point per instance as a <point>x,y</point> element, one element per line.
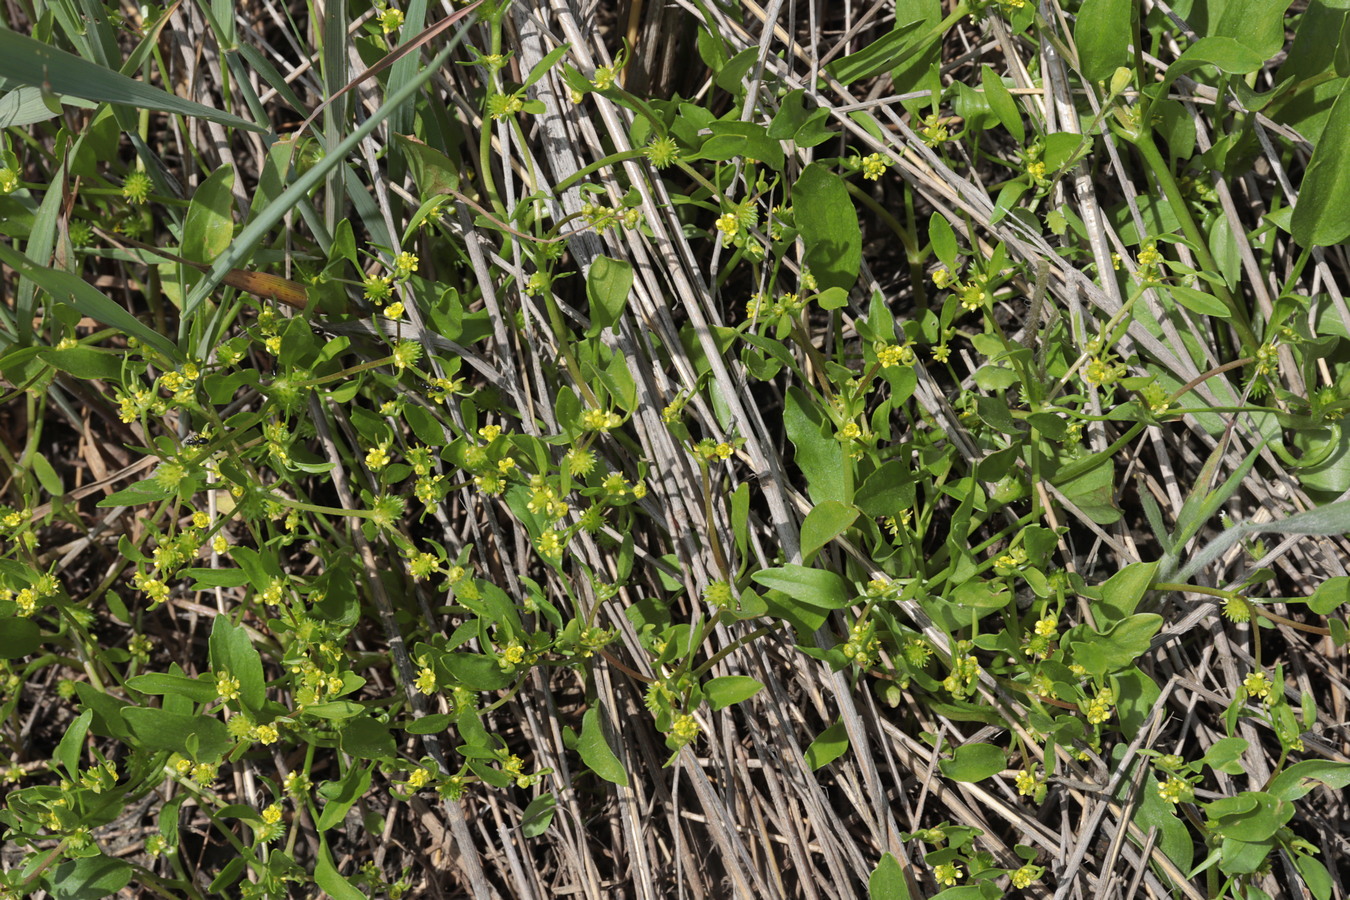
<point>1093,492</point>
<point>733,139</point>
<point>209,578</point>
<point>973,107</point>
<point>729,76</point>
<point>1315,876</point>
<point>209,225</point>
<point>198,690</point>
<point>1300,778</point>
<point>476,671</point>
<point>1117,646</point>
<point>800,120</point>
<point>89,878</point>
<point>1102,36</point>
<point>1322,215</point>
<point>973,762</point>
<point>1239,857</point>
<point>536,818</point>
<point>977,593</point>
<point>888,491</point>
<point>366,738</point>
<point>618,380</point>
<point>920,70</point>
<point>1250,816</point>
<point>608,284</point>
<point>434,173</point>
<point>824,523</point>
<point>148,490</point>
<point>85,363</point>
<point>74,291</point>
<point>229,874</point>
<point>108,721</point>
<point>1225,755</point>
<point>1256,24</point>
<point>160,729</point>
<point>1135,695</point>
<point>1001,102</point>
<point>18,637</point>
<point>815,587</point>
<point>430,724</point>
<point>730,689</point>
<point>232,651</point>
<point>828,746</point>
<point>26,105</point>
<point>595,750</point>
<point>883,54</point>
<point>1062,148</point>
<point>542,67</point>
<point>1122,591</point>
<point>33,63</point>
<point>1175,838</point>
<point>887,881</point>
<point>966,892</point>
<point>1330,595</point>
<point>330,880</point>
<point>567,409</point>
<point>71,747</point>
<point>943,240</point>
<point>828,224</point>
<point>994,411</point>
<point>341,795</point>
<point>1199,301</point>
<point>818,455</point>
<point>1224,53</point>
<point>335,710</point>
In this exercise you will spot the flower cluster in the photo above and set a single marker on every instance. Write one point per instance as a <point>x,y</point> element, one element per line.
<point>874,165</point>
<point>965,671</point>
<point>28,599</point>
<point>1100,707</point>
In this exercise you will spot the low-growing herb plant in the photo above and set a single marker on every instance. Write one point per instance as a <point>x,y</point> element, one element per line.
<point>488,454</point>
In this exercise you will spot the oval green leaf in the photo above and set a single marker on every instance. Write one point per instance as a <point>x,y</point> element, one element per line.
<point>365,738</point>
<point>815,587</point>
<point>828,746</point>
<point>596,752</point>
<point>18,637</point>
<point>974,762</point>
<point>828,224</point>
<point>824,523</point>
<point>730,689</point>
<point>209,225</point>
<point>1102,35</point>
<point>608,284</point>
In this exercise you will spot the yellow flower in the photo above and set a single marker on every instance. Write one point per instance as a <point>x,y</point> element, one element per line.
<point>227,686</point>
<point>426,681</point>
<point>377,458</point>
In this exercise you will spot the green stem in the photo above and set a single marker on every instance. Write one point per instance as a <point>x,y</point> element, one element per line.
<point>1073,470</point>
<point>485,133</point>
<point>611,160</point>
<point>743,641</point>
<point>911,248</point>
<point>322,510</point>
<point>1143,141</point>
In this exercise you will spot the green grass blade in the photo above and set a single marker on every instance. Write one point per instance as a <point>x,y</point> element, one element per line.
<point>33,63</point>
